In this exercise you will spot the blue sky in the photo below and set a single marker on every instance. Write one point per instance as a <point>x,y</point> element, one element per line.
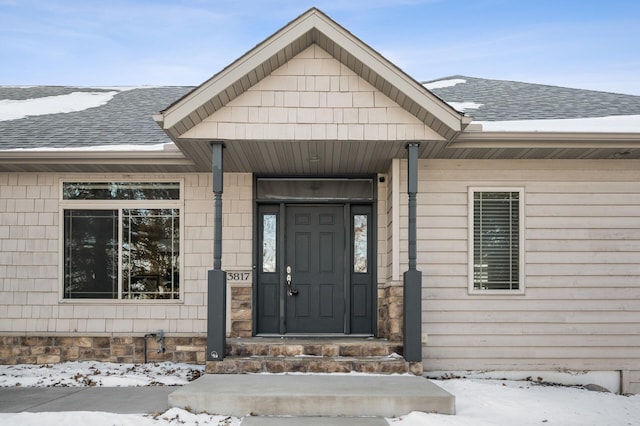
<point>576,43</point>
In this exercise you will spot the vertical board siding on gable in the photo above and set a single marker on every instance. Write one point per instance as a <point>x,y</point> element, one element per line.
<point>581,307</point>
<point>30,257</point>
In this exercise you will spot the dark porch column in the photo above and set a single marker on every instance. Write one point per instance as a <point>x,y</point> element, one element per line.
<point>412,278</point>
<point>217,279</point>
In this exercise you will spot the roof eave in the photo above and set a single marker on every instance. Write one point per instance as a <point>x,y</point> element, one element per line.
<point>475,139</point>
<point>172,156</point>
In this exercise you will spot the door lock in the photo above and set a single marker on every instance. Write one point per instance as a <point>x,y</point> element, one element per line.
<point>290,290</point>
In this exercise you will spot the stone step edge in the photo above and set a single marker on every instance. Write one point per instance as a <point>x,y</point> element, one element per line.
<point>312,364</point>
<point>326,350</point>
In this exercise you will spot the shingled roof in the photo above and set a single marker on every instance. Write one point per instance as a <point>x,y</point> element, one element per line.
<point>512,100</point>
<point>127,118</point>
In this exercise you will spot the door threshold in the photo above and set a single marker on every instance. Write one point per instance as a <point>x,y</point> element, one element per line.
<point>315,336</point>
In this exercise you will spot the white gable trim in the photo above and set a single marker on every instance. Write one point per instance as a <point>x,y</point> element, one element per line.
<point>279,48</point>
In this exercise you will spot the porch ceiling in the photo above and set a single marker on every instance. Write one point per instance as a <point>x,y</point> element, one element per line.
<point>305,157</point>
<point>328,157</point>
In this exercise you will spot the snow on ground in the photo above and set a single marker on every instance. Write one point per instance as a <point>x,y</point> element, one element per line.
<point>173,417</point>
<point>479,402</point>
<point>12,109</point>
<point>522,403</point>
<point>87,373</point>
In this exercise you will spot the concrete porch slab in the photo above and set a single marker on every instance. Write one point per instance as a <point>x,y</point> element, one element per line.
<point>312,395</point>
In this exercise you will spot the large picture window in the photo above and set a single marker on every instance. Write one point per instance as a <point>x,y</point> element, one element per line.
<point>121,240</point>
<point>496,240</point>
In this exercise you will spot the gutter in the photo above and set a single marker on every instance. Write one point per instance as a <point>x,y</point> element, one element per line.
<point>480,139</point>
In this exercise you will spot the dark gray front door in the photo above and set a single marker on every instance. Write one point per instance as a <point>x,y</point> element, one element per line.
<point>315,269</point>
<point>327,251</point>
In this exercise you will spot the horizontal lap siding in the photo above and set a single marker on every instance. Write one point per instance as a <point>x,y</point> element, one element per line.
<point>581,309</point>
<point>30,258</point>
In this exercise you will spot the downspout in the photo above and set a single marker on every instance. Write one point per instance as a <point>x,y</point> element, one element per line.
<point>412,278</point>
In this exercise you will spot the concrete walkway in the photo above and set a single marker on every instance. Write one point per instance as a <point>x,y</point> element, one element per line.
<point>274,400</point>
<point>126,400</point>
<point>139,400</point>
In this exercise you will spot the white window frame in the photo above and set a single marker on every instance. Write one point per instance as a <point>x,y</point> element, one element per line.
<point>118,205</point>
<point>521,240</point>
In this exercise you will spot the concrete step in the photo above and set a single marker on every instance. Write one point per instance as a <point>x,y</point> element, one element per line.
<point>330,395</point>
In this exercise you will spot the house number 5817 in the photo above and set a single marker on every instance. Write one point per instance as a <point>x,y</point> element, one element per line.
<point>238,276</point>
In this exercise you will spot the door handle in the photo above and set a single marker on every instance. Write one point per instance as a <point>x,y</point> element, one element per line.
<point>290,290</point>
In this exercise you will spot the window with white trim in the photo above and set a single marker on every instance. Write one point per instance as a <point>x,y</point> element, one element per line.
<point>121,240</point>
<point>496,236</point>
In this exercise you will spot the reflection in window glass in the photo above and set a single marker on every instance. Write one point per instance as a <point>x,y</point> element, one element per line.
<point>121,252</point>
<point>121,191</point>
<point>360,243</point>
<point>269,243</point>
<point>91,254</point>
<point>314,189</point>
<point>150,254</point>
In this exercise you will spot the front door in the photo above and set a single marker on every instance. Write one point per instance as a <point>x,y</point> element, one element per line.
<point>315,269</point>
<point>314,262</point>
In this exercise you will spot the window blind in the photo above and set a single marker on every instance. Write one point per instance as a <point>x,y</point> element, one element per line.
<point>496,239</point>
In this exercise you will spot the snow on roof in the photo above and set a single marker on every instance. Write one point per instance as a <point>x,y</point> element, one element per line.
<point>464,106</point>
<point>98,148</point>
<point>610,124</point>
<point>12,109</point>
<point>450,82</point>
<point>439,84</point>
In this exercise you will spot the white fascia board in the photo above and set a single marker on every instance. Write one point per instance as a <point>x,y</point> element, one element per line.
<point>475,139</point>
<point>97,157</point>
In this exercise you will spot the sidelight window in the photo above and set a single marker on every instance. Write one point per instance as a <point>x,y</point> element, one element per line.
<point>269,223</point>
<point>360,247</point>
